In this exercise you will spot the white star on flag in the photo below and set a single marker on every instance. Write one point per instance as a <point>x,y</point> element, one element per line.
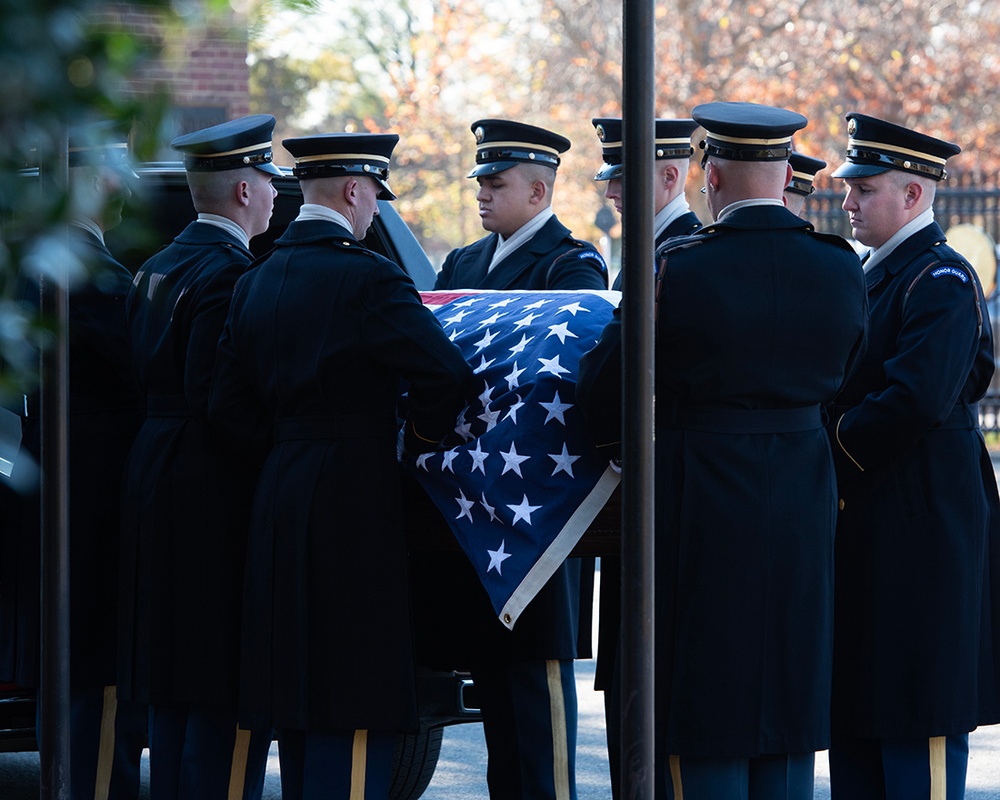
<point>523,510</point>
<point>490,320</point>
<point>525,321</point>
<point>556,409</point>
<point>512,377</point>
<point>564,461</point>
<point>573,308</point>
<point>512,461</point>
<point>483,365</point>
<point>562,331</point>
<point>489,509</point>
<point>478,458</point>
<point>512,411</point>
<point>486,341</point>
<point>457,317</point>
<point>519,347</point>
<point>447,457</point>
<point>497,557</point>
<point>465,504</point>
<point>552,365</point>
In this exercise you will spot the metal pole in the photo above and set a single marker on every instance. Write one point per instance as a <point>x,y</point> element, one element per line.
<point>638,98</point>
<point>53,695</point>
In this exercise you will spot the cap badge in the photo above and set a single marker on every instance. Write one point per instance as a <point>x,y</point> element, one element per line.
<point>600,132</point>
<point>480,134</point>
<point>852,127</point>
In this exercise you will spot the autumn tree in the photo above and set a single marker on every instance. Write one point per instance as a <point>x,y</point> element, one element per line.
<point>426,69</point>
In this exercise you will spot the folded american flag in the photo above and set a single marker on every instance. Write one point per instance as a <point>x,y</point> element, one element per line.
<point>520,480</point>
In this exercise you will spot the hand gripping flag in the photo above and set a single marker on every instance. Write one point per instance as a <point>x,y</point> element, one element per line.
<point>519,480</point>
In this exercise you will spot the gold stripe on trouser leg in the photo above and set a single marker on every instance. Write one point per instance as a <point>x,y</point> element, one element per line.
<point>675,777</point>
<point>557,714</point>
<point>939,772</point>
<point>359,765</point>
<point>238,768</point>
<point>106,746</point>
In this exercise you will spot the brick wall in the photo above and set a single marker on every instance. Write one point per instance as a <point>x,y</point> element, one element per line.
<point>203,66</point>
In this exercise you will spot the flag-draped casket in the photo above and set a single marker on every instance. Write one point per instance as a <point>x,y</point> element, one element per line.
<point>519,480</point>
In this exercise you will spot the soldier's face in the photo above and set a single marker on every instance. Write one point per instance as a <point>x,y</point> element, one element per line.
<point>877,205</point>
<point>366,208</point>
<point>262,198</point>
<point>614,193</point>
<point>505,201</point>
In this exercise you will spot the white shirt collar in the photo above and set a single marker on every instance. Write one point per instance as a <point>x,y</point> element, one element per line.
<point>751,201</point>
<point>314,211</point>
<point>520,236</point>
<point>919,222</point>
<point>228,226</point>
<point>90,226</point>
<point>670,212</point>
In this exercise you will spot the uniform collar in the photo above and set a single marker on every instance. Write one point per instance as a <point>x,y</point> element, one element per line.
<point>228,226</point>
<point>917,223</point>
<point>507,246</point>
<point>671,211</point>
<point>751,201</point>
<point>314,211</point>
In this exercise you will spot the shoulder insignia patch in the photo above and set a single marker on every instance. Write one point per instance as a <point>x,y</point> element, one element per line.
<point>953,271</point>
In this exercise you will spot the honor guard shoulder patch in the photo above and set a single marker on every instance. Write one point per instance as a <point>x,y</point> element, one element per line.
<point>587,254</point>
<point>953,271</point>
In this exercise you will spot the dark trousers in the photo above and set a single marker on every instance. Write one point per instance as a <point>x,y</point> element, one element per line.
<point>332,766</point>
<point>899,769</point>
<point>107,737</point>
<point>197,751</point>
<point>529,719</point>
<point>770,777</point>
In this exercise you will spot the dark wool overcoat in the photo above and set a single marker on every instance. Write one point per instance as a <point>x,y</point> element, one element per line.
<point>319,336</point>
<point>918,612</point>
<point>759,321</point>
<point>187,493</point>
<point>103,419</point>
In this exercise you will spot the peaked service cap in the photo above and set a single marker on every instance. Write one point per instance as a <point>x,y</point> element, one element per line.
<point>673,140</point>
<point>330,155</point>
<point>875,146</point>
<point>238,143</point>
<point>747,131</point>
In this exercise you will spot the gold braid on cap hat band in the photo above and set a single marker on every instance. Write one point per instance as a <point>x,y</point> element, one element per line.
<point>342,157</point>
<point>237,152</point>
<point>858,149</point>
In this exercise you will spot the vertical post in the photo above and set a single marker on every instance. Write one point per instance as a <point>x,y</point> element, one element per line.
<point>638,142</point>
<point>53,695</point>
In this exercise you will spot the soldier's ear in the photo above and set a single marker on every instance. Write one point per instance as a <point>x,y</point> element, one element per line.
<point>539,191</point>
<point>914,191</point>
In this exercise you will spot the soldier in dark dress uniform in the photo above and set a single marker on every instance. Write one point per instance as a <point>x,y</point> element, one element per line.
<point>916,620</point>
<point>804,169</point>
<point>760,320</point>
<point>674,216</point>
<point>318,338</point>
<point>516,673</point>
<point>188,492</point>
<point>107,732</point>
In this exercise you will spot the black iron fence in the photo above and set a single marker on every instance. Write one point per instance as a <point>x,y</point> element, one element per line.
<point>967,197</point>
